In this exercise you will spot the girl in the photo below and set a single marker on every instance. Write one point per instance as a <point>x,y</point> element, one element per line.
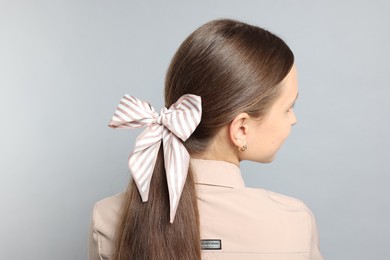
<point>230,90</point>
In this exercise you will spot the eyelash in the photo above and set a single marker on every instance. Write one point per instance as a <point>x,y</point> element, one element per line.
<point>293,105</point>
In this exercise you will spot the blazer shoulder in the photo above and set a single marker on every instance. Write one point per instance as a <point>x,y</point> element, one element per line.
<point>286,202</point>
<point>295,205</point>
<point>106,211</point>
<point>103,225</point>
<point>110,202</point>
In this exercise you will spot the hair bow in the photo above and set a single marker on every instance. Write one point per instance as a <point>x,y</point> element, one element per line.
<point>177,122</point>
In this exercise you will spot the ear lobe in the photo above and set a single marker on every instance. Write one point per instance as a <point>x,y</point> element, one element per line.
<point>238,129</point>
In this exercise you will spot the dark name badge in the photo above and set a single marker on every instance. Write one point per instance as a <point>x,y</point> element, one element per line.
<point>211,244</point>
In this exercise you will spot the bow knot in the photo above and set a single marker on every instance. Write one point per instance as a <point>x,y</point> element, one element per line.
<point>160,117</point>
<point>177,122</point>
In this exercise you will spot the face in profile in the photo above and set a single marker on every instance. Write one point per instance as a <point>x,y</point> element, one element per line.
<point>267,136</point>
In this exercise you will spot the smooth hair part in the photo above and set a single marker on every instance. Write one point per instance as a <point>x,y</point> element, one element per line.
<point>235,67</point>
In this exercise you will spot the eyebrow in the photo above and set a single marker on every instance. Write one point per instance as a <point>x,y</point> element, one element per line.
<point>295,100</point>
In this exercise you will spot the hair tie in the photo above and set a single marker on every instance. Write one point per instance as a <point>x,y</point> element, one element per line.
<point>177,122</point>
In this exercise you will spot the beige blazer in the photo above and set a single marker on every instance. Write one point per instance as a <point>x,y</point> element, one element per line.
<point>236,222</point>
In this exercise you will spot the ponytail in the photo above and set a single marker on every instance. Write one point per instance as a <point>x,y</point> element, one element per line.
<point>144,231</point>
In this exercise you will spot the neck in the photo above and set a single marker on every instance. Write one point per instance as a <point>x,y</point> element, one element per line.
<point>219,149</point>
<point>216,158</point>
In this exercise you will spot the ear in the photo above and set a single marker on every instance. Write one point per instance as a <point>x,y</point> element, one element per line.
<point>238,129</point>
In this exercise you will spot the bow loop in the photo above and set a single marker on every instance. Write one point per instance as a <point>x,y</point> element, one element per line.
<point>133,113</point>
<point>183,117</point>
<point>172,126</point>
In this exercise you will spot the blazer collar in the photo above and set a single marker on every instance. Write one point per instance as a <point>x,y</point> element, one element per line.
<point>217,173</point>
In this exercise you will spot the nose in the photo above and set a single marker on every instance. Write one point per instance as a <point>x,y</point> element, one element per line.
<point>293,119</point>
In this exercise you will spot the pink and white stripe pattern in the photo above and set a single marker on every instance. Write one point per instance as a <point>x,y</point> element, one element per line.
<point>177,122</point>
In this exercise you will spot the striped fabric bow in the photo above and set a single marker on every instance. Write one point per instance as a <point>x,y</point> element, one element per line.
<point>177,122</point>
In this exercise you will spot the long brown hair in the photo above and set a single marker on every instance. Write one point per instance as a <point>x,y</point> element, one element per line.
<point>235,67</point>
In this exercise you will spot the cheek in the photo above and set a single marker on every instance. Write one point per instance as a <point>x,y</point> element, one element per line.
<point>277,142</point>
<point>281,134</point>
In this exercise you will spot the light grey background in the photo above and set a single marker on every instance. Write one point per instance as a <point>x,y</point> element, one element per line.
<point>64,65</point>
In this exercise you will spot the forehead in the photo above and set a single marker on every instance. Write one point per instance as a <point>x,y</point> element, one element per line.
<point>289,86</point>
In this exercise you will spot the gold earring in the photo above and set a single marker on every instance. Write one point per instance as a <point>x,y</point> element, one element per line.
<point>243,148</point>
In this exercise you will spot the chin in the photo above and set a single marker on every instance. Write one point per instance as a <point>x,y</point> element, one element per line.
<point>267,159</point>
